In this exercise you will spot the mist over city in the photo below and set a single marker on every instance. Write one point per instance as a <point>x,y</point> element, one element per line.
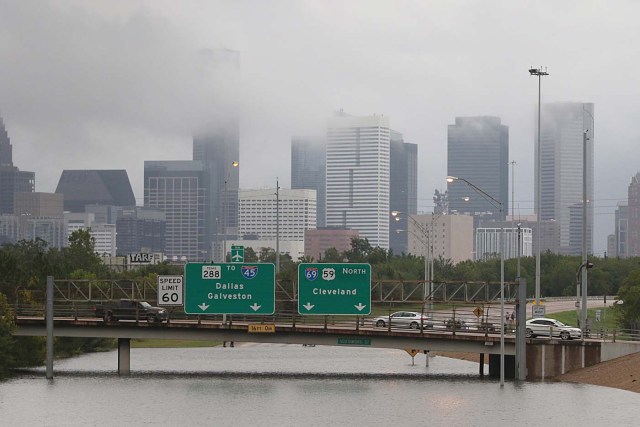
<point>112,84</point>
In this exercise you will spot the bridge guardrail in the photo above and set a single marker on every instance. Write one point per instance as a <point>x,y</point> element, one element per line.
<point>445,317</point>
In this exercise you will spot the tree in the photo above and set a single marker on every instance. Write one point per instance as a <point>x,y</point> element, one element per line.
<point>360,250</point>
<point>628,309</point>
<point>332,255</point>
<point>267,255</point>
<point>7,355</point>
<point>81,252</point>
<point>250,255</point>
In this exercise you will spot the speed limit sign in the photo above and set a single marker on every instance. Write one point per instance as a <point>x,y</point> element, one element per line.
<point>170,290</point>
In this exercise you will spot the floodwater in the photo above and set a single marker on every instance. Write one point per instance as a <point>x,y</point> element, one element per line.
<point>286,385</point>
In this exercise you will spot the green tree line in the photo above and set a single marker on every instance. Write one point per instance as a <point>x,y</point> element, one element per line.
<point>26,264</point>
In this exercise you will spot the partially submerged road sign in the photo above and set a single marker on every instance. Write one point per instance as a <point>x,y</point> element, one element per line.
<point>328,289</point>
<point>229,288</point>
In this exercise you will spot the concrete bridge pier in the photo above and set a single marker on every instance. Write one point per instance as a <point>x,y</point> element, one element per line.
<point>509,366</point>
<point>124,356</point>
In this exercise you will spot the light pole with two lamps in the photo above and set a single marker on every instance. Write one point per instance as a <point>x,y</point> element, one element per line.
<point>498,205</point>
<point>397,215</point>
<point>538,205</point>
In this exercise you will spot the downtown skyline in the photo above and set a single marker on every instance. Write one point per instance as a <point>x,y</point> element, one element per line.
<point>421,65</point>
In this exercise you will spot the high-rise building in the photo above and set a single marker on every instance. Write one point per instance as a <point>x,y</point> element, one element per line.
<point>95,187</point>
<point>478,151</point>
<point>178,189</point>
<point>621,236</point>
<point>36,216</point>
<point>317,242</point>
<point>358,176</point>
<point>219,154</point>
<point>563,129</point>
<point>488,240</point>
<point>449,237</point>
<point>259,210</point>
<point>308,170</point>
<point>104,235</point>
<point>12,179</point>
<point>217,145</point>
<point>6,150</point>
<point>403,186</point>
<point>39,204</point>
<point>140,230</point>
<point>633,216</point>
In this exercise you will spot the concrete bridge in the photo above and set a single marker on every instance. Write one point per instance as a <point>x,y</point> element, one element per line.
<point>70,315</point>
<point>341,333</point>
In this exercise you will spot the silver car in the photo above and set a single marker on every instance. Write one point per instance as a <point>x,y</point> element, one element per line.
<point>542,326</point>
<point>404,319</point>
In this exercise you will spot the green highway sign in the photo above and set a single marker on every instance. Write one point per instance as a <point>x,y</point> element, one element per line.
<point>237,253</point>
<point>229,288</point>
<point>354,341</point>
<point>334,289</point>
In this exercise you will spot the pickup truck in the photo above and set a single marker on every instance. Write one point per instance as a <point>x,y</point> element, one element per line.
<point>129,309</point>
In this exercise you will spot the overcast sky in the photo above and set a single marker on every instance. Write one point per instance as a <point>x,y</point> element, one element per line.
<point>107,84</point>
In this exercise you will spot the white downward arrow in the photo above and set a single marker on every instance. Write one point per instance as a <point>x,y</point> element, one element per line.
<point>203,306</point>
<point>360,306</point>
<point>255,306</point>
<point>308,306</point>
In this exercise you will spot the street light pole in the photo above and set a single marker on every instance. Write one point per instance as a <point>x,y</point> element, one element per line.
<point>277,225</point>
<point>585,201</point>
<point>432,255</point>
<point>538,205</point>
<point>225,209</point>
<point>427,242</point>
<point>397,215</point>
<point>583,317</point>
<point>499,205</point>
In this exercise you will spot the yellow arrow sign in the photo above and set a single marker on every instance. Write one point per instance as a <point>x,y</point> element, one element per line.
<point>478,311</point>
<point>412,352</point>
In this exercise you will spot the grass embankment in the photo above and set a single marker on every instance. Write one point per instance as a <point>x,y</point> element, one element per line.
<point>607,318</point>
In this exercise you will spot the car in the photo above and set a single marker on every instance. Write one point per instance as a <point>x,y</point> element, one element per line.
<point>404,319</point>
<point>129,309</point>
<point>542,326</point>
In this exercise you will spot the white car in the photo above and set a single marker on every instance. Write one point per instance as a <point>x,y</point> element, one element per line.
<point>404,319</point>
<point>542,326</point>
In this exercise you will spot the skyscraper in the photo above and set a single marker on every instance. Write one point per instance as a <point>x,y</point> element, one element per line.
<point>563,127</point>
<point>478,151</point>
<point>177,188</point>
<point>633,217</point>
<point>12,179</point>
<point>95,187</point>
<point>621,236</point>
<point>218,152</point>
<point>358,176</point>
<point>403,185</point>
<point>217,145</point>
<point>308,170</point>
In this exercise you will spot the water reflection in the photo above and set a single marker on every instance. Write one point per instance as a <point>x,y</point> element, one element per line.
<point>288,385</point>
